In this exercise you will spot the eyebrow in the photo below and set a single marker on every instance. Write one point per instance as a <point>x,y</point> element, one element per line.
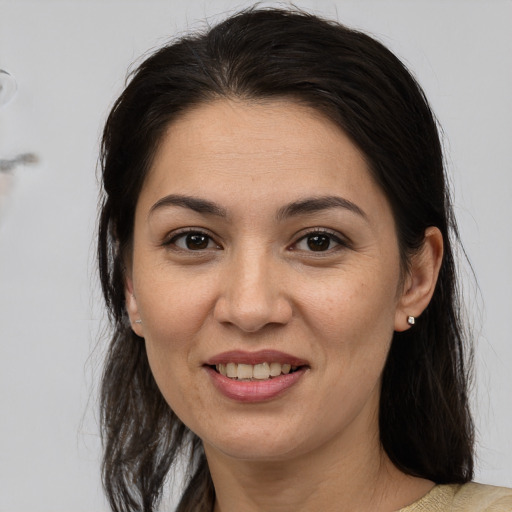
<point>296,208</point>
<point>318,204</point>
<point>196,204</point>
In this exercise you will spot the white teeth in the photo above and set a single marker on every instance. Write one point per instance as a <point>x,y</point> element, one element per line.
<point>231,370</point>
<point>262,371</point>
<point>275,369</point>
<point>244,371</point>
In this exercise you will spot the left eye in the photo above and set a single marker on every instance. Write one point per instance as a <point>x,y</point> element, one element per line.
<point>193,241</point>
<point>318,242</point>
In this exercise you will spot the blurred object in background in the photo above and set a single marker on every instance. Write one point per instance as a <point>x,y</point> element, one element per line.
<point>7,165</point>
<point>8,88</point>
<point>6,175</point>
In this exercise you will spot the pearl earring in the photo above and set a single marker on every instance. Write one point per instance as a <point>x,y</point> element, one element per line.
<point>411,320</point>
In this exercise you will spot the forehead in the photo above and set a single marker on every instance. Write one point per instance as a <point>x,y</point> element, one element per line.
<point>263,151</point>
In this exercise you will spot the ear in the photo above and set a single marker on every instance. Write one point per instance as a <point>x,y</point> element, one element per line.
<point>131,306</point>
<point>420,283</point>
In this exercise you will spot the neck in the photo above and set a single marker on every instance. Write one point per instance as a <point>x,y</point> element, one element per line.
<point>357,476</point>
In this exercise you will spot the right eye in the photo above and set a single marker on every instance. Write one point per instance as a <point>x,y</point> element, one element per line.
<point>193,241</point>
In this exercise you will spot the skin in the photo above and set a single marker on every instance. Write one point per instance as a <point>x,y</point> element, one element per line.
<point>256,284</point>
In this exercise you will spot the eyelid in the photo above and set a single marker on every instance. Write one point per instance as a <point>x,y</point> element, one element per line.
<point>170,238</point>
<point>335,236</point>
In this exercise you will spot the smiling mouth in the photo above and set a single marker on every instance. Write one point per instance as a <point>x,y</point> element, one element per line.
<point>254,372</point>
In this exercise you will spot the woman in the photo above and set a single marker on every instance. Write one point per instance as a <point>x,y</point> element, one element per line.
<point>275,252</point>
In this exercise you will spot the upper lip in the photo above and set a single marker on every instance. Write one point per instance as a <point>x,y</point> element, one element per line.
<point>261,356</point>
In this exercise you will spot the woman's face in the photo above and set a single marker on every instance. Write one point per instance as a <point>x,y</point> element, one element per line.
<point>261,243</point>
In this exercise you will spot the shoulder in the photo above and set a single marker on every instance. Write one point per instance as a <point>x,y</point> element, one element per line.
<point>485,498</point>
<point>470,497</point>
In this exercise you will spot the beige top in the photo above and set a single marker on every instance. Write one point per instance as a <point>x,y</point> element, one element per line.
<point>470,497</point>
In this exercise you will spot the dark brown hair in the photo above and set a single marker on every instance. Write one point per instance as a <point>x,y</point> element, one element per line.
<point>352,79</point>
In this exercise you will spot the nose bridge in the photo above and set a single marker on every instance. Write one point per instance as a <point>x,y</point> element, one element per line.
<point>252,277</point>
<point>252,294</point>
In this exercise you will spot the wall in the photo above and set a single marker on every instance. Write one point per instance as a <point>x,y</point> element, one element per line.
<point>70,59</point>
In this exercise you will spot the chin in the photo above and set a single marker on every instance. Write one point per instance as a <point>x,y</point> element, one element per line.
<point>265,444</point>
<point>253,452</point>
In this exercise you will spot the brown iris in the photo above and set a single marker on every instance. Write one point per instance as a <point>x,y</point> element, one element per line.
<point>196,241</point>
<point>318,242</point>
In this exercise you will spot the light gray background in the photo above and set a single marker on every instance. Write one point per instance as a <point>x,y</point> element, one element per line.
<point>70,59</point>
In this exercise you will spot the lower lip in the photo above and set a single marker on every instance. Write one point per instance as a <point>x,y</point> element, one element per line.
<point>254,390</point>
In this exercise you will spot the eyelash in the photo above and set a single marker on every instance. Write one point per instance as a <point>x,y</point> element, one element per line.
<point>171,242</point>
<point>332,235</point>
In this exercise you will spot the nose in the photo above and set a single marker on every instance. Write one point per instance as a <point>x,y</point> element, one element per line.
<point>253,293</point>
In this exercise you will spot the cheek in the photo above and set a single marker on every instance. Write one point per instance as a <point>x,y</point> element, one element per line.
<point>358,300</point>
<point>174,310</point>
<point>352,323</point>
<point>173,314</point>
<point>174,305</point>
